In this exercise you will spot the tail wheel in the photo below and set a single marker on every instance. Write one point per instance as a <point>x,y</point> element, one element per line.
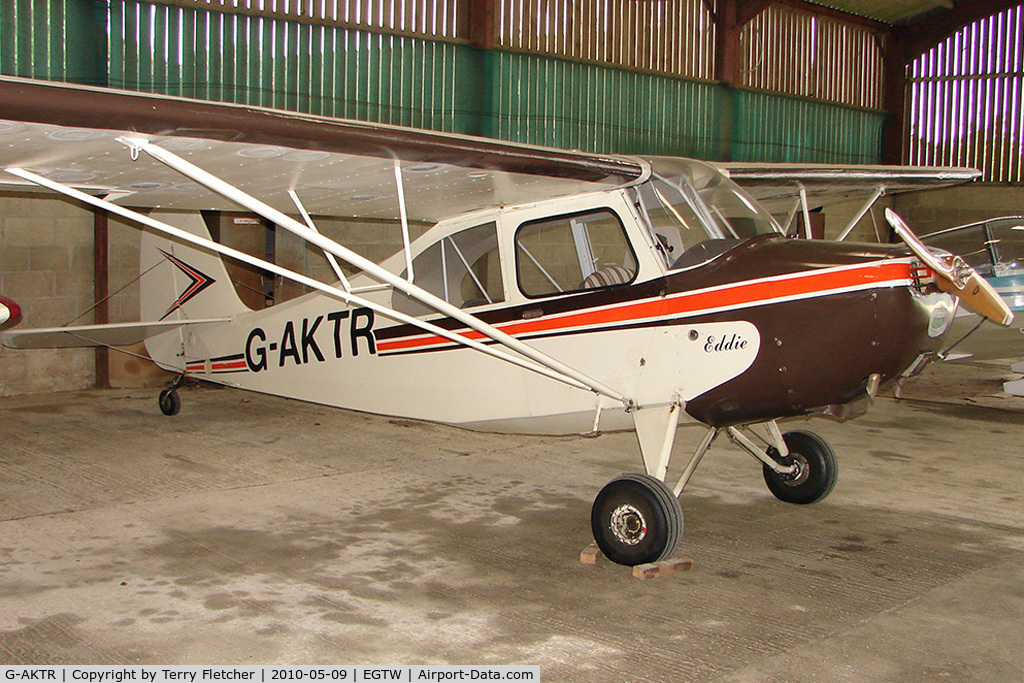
<point>636,519</point>
<point>170,402</point>
<point>816,469</point>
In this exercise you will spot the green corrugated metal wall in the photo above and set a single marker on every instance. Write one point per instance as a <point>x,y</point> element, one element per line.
<point>547,101</point>
<point>418,82</point>
<point>32,39</point>
<point>285,65</point>
<point>781,128</point>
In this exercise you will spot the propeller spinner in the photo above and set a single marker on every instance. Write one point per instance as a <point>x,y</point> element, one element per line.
<point>954,276</point>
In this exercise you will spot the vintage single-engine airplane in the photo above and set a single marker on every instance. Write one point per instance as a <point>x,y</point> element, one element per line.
<point>552,292</point>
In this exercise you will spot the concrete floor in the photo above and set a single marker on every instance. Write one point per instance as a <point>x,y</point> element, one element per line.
<point>251,529</point>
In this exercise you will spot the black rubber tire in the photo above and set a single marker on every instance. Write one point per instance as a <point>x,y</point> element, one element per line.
<point>818,469</point>
<point>636,519</point>
<point>170,402</point>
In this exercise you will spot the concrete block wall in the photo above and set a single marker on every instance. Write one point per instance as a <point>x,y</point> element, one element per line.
<point>46,258</point>
<point>46,265</point>
<point>935,210</point>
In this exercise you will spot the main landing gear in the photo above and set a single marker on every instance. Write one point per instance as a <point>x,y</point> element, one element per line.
<point>636,518</point>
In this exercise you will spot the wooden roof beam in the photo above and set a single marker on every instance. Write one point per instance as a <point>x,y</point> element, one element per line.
<point>751,8</point>
<point>919,37</point>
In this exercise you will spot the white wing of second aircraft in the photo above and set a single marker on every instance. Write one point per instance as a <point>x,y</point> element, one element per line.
<point>777,186</point>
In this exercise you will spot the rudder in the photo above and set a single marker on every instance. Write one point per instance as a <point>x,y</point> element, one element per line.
<point>179,281</point>
<point>183,282</point>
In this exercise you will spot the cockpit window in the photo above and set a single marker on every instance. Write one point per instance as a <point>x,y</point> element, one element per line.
<point>463,269</point>
<point>695,212</point>
<point>573,253</point>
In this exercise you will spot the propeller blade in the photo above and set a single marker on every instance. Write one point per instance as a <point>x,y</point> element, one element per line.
<point>954,276</point>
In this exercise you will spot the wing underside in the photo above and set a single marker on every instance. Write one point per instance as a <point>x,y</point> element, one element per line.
<point>116,150</point>
<point>339,168</point>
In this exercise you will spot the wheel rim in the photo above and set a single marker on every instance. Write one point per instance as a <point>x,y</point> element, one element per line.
<point>628,525</point>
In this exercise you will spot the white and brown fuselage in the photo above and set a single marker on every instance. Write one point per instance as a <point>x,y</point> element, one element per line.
<point>771,328</point>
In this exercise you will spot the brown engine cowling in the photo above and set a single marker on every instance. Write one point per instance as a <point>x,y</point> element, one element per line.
<point>818,353</point>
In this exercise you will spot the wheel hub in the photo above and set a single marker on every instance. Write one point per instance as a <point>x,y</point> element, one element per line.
<point>628,525</point>
<point>801,473</point>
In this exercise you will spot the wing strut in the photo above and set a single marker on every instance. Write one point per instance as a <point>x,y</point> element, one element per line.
<point>241,198</point>
<point>806,212</point>
<point>789,218</point>
<point>335,292</point>
<point>879,191</point>
<point>312,226</point>
<point>400,188</point>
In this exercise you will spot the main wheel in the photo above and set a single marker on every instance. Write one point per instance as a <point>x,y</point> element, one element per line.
<point>816,472</point>
<point>170,402</point>
<point>636,519</point>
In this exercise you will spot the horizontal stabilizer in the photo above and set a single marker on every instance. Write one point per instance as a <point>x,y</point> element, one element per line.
<point>115,334</point>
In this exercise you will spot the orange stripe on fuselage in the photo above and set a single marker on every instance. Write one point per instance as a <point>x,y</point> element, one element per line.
<point>744,294</point>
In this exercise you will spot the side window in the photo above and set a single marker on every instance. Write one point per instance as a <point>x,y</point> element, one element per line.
<point>463,269</point>
<point>573,253</point>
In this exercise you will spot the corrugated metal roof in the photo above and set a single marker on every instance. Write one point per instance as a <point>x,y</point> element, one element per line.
<point>888,11</point>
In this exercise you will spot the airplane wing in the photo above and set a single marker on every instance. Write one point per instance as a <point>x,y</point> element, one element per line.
<point>111,334</point>
<point>777,186</point>
<point>115,150</point>
<point>69,134</point>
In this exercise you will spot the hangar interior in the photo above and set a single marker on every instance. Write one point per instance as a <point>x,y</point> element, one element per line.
<point>851,82</point>
<point>209,540</point>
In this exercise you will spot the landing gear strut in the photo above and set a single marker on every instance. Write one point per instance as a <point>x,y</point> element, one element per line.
<point>637,519</point>
<point>799,466</point>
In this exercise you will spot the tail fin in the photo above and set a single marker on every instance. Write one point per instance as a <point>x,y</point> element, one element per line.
<point>183,282</point>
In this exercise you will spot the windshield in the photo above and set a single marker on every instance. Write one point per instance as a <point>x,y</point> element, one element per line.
<point>695,212</point>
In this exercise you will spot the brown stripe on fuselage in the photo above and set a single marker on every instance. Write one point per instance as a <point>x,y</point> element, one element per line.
<point>760,257</point>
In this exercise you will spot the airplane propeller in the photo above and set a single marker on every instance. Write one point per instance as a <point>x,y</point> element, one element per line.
<point>954,276</point>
